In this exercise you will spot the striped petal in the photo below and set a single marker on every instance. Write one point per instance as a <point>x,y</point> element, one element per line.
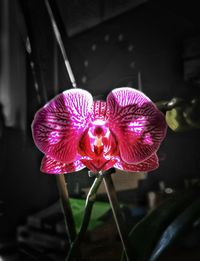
<point>51,166</point>
<point>100,111</point>
<point>57,127</point>
<point>137,124</point>
<point>147,165</point>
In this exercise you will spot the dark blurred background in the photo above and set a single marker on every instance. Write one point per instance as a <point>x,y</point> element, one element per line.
<point>109,44</point>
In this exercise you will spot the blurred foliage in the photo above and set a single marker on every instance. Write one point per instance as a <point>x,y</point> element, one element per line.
<point>156,231</point>
<point>176,121</point>
<point>98,211</point>
<point>181,115</point>
<point>179,225</point>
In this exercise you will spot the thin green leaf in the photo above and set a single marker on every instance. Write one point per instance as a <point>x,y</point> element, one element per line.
<point>78,208</point>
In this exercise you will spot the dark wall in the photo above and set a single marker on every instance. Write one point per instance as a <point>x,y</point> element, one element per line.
<point>146,40</point>
<point>149,40</point>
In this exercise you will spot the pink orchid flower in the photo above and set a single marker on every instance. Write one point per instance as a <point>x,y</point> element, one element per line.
<point>75,132</point>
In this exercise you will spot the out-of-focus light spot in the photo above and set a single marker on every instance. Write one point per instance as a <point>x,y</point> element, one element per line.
<point>170,103</point>
<point>151,199</point>
<point>132,65</point>
<point>120,37</point>
<point>86,63</point>
<point>130,48</point>
<point>162,186</point>
<point>196,223</point>
<point>84,79</point>
<point>107,37</point>
<point>94,47</point>
<point>28,45</point>
<point>32,64</point>
<point>36,86</point>
<point>169,190</point>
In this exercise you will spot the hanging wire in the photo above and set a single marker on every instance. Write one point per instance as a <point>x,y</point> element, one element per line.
<point>61,45</point>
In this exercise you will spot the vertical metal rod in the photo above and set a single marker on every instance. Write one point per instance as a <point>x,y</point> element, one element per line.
<point>110,190</point>
<point>60,43</point>
<point>55,67</point>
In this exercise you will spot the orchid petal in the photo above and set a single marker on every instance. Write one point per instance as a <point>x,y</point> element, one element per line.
<point>147,165</point>
<point>57,127</point>
<point>51,166</point>
<point>100,111</point>
<point>136,122</point>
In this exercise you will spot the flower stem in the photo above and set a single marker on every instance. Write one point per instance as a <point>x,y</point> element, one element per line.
<point>66,208</point>
<point>91,197</point>
<point>119,220</point>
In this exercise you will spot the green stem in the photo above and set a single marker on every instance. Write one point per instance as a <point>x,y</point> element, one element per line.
<point>67,211</point>
<point>91,197</point>
<point>119,220</point>
<point>66,208</point>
